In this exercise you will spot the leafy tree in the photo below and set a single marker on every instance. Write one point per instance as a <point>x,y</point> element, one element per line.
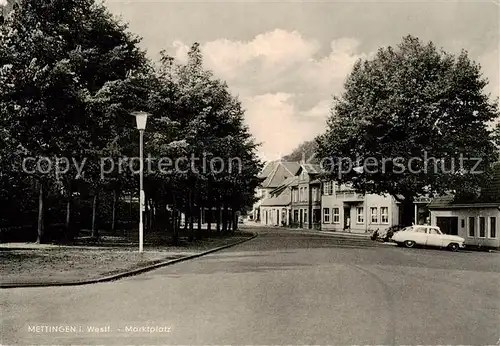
<point>407,104</point>
<point>305,151</point>
<point>60,59</point>
<point>196,116</point>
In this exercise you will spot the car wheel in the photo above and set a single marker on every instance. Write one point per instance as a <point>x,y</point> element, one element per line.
<point>453,247</point>
<point>409,243</point>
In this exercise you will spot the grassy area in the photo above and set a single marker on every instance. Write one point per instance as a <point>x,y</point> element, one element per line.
<point>27,263</point>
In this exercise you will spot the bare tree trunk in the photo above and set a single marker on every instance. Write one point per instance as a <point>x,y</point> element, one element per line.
<point>68,223</point>
<point>200,215</point>
<point>41,214</point>
<point>152,214</point>
<point>113,212</point>
<point>95,232</point>
<point>130,205</point>
<point>224,218</point>
<point>209,217</point>
<point>191,215</point>
<point>230,220</point>
<point>218,217</point>
<point>175,229</point>
<point>235,220</point>
<point>145,214</point>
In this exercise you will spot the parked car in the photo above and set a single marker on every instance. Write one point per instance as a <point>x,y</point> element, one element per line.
<point>425,235</point>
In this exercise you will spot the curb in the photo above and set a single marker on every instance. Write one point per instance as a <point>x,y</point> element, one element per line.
<point>332,234</point>
<point>125,274</point>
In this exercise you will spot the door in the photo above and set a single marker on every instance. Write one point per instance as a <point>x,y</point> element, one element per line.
<point>347,217</point>
<point>419,235</point>
<point>277,217</point>
<point>448,225</point>
<point>434,238</point>
<point>301,217</point>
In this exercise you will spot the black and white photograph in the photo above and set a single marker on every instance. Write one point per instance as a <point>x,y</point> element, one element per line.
<point>249,172</point>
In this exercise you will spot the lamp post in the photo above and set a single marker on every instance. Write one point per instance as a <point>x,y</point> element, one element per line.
<point>141,118</point>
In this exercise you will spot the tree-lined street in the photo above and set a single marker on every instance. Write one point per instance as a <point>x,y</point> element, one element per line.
<point>393,133</point>
<point>280,288</point>
<point>71,77</point>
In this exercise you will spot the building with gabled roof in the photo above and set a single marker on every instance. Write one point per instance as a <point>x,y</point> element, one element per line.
<point>476,219</point>
<point>275,209</point>
<point>306,197</point>
<point>272,176</point>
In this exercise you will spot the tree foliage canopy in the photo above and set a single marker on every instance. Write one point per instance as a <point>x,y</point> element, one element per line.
<point>409,103</point>
<point>70,76</point>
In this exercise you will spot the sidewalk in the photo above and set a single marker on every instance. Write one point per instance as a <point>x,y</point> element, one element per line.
<point>309,231</point>
<point>42,265</point>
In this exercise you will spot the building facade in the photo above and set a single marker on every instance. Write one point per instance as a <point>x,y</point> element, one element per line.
<point>474,218</point>
<point>272,176</point>
<point>276,208</point>
<point>306,198</point>
<point>345,210</point>
<point>477,224</point>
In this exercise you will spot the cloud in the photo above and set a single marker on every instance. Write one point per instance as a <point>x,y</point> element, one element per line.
<point>284,81</point>
<point>281,127</point>
<point>490,67</point>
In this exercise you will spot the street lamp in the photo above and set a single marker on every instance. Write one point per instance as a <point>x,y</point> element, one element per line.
<point>141,118</point>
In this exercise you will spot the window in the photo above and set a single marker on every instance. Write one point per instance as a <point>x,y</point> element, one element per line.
<point>325,187</point>
<point>374,214</point>
<point>360,215</point>
<point>328,188</point>
<point>433,231</point>
<point>420,230</point>
<point>336,215</point>
<point>493,227</point>
<point>463,223</point>
<point>482,227</point>
<point>305,216</point>
<point>306,194</point>
<point>314,194</point>
<point>326,215</point>
<point>295,216</point>
<point>384,215</point>
<point>472,229</point>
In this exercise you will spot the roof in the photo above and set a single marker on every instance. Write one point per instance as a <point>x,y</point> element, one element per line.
<point>290,181</point>
<point>292,167</point>
<point>282,171</point>
<point>283,199</point>
<point>268,169</point>
<point>311,168</point>
<point>489,196</point>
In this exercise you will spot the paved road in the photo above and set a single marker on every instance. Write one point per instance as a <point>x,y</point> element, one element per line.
<point>279,288</point>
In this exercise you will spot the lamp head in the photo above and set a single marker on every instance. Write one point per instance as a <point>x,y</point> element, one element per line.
<point>141,119</point>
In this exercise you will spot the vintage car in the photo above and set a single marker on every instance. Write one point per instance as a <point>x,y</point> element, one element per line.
<point>425,235</point>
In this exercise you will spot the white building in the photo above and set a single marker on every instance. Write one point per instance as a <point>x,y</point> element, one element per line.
<point>345,210</point>
<point>474,219</point>
<point>272,176</point>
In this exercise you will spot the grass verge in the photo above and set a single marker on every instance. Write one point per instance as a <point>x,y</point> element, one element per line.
<point>41,263</point>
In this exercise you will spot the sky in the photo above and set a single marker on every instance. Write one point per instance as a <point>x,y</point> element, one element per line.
<point>286,60</point>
